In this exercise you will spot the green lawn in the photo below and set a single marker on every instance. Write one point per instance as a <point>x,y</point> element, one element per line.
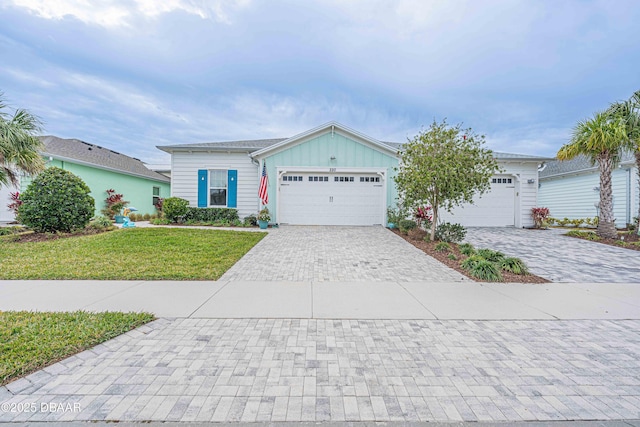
<point>30,341</point>
<point>129,254</point>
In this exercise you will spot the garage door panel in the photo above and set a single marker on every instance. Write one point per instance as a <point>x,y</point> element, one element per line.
<point>342,199</point>
<point>495,208</point>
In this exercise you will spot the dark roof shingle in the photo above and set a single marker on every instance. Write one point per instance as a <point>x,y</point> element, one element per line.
<point>577,164</point>
<point>75,149</point>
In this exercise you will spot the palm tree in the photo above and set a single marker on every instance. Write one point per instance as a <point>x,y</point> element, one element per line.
<point>19,146</point>
<point>601,138</point>
<point>629,111</point>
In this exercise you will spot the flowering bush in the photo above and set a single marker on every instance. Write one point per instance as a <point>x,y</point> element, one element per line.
<point>423,216</point>
<point>540,216</point>
<point>15,202</point>
<point>158,205</point>
<point>114,203</point>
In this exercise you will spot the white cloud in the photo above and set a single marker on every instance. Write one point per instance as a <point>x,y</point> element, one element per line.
<point>122,13</point>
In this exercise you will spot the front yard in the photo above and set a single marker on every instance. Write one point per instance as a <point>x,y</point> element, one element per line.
<point>129,254</point>
<point>31,341</point>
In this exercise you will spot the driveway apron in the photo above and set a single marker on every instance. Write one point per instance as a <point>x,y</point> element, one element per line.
<point>330,254</point>
<point>559,258</point>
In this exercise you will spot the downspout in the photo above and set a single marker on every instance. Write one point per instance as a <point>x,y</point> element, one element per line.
<point>629,196</point>
<point>257,163</point>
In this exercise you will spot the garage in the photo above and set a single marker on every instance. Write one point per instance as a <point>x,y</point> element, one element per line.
<point>494,209</point>
<point>316,198</point>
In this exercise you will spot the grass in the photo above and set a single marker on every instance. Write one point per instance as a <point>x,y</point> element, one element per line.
<point>129,254</point>
<point>30,341</point>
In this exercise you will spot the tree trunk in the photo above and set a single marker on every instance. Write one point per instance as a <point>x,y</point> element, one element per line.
<point>432,236</point>
<point>606,225</point>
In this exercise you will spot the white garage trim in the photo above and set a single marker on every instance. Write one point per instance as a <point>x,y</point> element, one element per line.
<point>333,172</point>
<point>499,207</point>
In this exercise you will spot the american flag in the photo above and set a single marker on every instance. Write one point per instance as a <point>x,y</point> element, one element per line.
<point>264,181</point>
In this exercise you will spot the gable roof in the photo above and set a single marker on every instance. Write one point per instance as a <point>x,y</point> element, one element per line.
<point>333,126</point>
<point>77,151</point>
<point>257,147</point>
<point>578,164</point>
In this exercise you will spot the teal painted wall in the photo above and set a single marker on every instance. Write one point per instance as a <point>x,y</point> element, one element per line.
<point>137,190</point>
<point>317,152</point>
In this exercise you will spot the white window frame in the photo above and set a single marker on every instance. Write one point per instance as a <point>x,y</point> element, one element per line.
<point>226,188</point>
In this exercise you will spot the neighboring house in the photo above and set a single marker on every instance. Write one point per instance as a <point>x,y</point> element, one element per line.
<point>331,175</point>
<point>571,189</point>
<point>101,169</point>
<point>6,214</point>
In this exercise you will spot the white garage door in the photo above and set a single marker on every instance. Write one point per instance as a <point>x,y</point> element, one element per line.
<point>494,209</point>
<point>312,198</point>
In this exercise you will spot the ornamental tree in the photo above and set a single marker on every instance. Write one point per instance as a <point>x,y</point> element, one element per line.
<point>444,166</point>
<point>56,200</point>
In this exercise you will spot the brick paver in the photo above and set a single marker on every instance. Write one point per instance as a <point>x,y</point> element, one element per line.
<point>560,258</point>
<point>344,370</point>
<point>325,254</point>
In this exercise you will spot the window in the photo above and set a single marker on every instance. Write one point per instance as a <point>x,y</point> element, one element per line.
<point>502,180</point>
<point>369,179</point>
<point>218,188</point>
<point>156,196</point>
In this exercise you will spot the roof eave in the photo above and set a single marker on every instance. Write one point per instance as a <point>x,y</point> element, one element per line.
<point>172,149</point>
<point>94,165</point>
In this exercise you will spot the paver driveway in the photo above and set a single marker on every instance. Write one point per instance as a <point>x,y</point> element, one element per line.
<point>335,370</point>
<point>329,254</point>
<point>560,258</point>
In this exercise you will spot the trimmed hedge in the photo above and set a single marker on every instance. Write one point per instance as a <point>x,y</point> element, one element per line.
<point>211,215</point>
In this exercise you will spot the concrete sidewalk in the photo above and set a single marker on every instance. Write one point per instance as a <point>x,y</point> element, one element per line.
<point>331,300</point>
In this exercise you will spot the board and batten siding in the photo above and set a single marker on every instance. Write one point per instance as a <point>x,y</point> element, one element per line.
<point>318,151</point>
<point>577,196</point>
<point>184,176</point>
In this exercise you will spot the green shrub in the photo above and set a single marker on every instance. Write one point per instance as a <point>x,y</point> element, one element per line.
<point>467,249</point>
<point>393,215</point>
<point>160,221</point>
<point>514,265</point>
<point>588,235</point>
<point>146,217</point>
<point>175,209</point>
<point>486,270</point>
<point>100,223</point>
<point>452,233</point>
<point>5,231</point>
<point>211,215</point>
<point>442,247</point>
<point>577,222</point>
<point>406,224</point>
<point>490,255</point>
<point>56,200</point>
<point>470,262</point>
<point>452,257</point>
<point>250,221</point>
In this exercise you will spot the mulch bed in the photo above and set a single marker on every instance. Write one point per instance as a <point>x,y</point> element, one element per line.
<point>416,238</point>
<point>30,236</point>
<point>618,243</point>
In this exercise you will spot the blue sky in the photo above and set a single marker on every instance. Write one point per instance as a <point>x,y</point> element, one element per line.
<point>130,75</point>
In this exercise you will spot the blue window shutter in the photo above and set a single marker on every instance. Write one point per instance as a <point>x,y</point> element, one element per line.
<point>203,187</point>
<point>232,188</point>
